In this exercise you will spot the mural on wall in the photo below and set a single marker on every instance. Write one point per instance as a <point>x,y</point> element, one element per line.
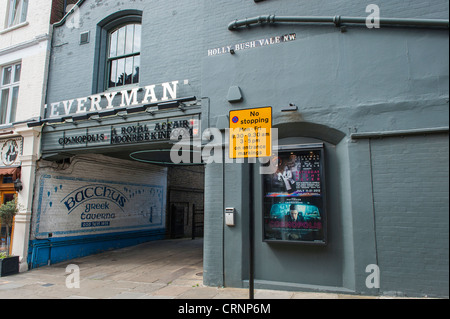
<point>70,206</point>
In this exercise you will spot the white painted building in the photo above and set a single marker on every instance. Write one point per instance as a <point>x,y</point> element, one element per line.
<point>25,34</point>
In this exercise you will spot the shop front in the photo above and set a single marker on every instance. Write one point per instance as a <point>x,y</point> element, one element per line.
<point>19,147</point>
<point>11,149</point>
<point>107,180</point>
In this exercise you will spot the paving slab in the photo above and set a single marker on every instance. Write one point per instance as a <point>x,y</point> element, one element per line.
<point>314,295</point>
<point>199,293</point>
<point>129,295</point>
<point>232,293</point>
<point>171,290</point>
<point>148,288</point>
<point>272,294</point>
<point>169,269</point>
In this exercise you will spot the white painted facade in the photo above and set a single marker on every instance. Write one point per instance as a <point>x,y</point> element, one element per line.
<point>28,43</point>
<point>25,42</point>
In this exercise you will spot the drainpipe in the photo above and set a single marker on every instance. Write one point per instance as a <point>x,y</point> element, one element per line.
<point>338,21</point>
<point>67,14</point>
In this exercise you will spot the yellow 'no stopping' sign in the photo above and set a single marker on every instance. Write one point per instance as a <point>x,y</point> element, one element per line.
<point>250,133</point>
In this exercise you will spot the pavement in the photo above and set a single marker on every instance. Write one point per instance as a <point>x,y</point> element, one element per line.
<point>168,269</point>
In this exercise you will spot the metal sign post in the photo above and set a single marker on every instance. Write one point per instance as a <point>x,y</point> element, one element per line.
<point>251,137</point>
<point>251,279</point>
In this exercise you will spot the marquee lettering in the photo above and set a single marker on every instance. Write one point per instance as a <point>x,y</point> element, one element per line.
<point>128,98</point>
<point>161,131</point>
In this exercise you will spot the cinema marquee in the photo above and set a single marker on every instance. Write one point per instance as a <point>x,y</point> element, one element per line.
<point>111,99</point>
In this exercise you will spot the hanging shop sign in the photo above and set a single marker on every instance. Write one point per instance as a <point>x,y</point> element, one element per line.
<point>112,99</point>
<point>250,133</point>
<point>294,197</point>
<point>126,133</point>
<point>10,151</point>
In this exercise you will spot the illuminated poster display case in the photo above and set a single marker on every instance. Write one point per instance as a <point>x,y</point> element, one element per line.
<point>294,196</point>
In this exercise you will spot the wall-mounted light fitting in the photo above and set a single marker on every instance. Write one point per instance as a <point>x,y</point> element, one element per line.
<point>292,108</point>
<point>69,120</point>
<point>80,117</point>
<point>151,110</point>
<point>95,117</point>
<point>18,185</point>
<point>107,112</point>
<point>234,94</point>
<point>168,105</point>
<point>122,114</point>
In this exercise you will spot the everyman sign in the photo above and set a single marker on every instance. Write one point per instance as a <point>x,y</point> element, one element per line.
<point>250,133</point>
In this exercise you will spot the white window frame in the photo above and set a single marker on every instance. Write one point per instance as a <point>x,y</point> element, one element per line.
<point>123,56</point>
<point>17,12</point>
<point>10,87</point>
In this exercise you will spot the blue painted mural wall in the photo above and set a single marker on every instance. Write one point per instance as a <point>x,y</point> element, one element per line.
<point>47,251</point>
<point>101,205</point>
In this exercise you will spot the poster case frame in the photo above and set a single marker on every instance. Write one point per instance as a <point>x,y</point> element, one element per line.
<point>283,149</point>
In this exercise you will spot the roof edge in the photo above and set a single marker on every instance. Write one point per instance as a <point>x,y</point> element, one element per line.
<point>63,20</point>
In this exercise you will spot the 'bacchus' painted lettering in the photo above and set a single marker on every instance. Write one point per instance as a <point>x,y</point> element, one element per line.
<point>90,192</point>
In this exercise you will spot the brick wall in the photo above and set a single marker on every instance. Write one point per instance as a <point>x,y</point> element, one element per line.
<point>410,184</point>
<point>213,238</point>
<point>58,10</point>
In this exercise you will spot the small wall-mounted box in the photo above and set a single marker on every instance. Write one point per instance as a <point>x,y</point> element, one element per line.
<point>229,216</point>
<point>84,37</point>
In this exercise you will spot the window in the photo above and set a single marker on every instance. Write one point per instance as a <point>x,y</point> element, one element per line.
<point>17,12</point>
<point>8,179</point>
<point>124,46</point>
<point>6,231</point>
<point>9,92</point>
<point>118,48</point>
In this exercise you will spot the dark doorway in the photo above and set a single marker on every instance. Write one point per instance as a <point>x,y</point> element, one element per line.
<point>185,188</point>
<point>177,213</point>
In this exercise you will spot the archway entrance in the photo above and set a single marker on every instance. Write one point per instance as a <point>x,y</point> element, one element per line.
<point>99,189</point>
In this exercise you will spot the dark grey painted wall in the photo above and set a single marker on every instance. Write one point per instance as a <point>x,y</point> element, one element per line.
<point>170,48</point>
<point>363,80</point>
